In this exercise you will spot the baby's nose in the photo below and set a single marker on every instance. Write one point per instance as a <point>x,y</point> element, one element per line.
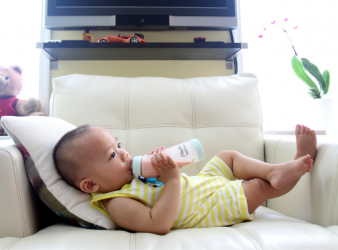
<point>124,156</point>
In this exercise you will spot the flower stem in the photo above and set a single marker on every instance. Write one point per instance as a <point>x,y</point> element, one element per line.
<point>290,40</point>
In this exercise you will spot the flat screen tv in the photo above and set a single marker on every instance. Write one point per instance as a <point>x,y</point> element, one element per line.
<point>141,14</point>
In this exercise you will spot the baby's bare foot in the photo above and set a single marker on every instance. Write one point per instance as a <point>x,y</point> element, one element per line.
<point>306,142</point>
<point>285,173</point>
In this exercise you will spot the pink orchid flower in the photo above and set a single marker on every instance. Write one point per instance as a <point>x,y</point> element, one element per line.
<point>284,30</point>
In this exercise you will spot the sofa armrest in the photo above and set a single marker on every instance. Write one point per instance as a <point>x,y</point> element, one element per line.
<point>315,197</point>
<point>18,211</point>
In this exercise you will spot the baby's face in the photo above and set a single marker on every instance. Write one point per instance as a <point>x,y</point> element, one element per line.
<point>104,161</point>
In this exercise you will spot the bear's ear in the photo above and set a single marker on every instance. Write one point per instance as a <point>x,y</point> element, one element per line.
<point>17,68</point>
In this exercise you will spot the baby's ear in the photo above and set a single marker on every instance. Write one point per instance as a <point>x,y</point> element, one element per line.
<point>88,186</point>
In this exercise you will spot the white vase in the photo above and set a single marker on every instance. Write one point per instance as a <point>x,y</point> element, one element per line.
<point>322,110</point>
<point>313,113</point>
<point>333,120</point>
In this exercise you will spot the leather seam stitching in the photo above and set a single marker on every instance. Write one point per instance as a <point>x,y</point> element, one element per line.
<point>175,125</point>
<point>250,238</point>
<point>20,202</point>
<point>193,106</point>
<point>132,241</point>
<point>11,244</point>
<point>334,197</point>
<point>53,231</point>
<point>171,125</point>
<point>274,161</point>
<point>127,115</point>
<point>18,191</point>
<point>291,221</point>
<point>53,103</point>
<point>260,107</point>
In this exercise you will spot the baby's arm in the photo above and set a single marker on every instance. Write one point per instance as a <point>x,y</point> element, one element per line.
<point>133,215</point>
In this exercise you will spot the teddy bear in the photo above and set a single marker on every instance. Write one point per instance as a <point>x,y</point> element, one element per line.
<point>10,87</point>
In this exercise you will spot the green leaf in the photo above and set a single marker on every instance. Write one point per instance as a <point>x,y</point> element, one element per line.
<point>314,93</point>
<point>313,70</point>
<point>326,76</point>
<point>314,96</point>
<point>300,72</point>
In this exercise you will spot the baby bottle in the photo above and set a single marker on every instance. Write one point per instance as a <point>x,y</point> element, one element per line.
<point>183,154</point>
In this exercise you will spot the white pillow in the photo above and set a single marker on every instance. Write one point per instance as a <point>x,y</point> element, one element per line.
<point>36,137</point>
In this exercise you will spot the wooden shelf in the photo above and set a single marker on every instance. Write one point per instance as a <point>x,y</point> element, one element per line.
<point>141,51</point>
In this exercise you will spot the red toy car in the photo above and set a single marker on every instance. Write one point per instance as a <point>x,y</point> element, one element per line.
<point>199,39</point>
<point>120,38</point>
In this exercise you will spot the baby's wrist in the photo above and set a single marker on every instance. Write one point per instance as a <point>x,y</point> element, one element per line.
<point>172,181</point>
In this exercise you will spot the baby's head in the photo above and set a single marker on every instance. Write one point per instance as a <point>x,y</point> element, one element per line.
<point>92,160</point>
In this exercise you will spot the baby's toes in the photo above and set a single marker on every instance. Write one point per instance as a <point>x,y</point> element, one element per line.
<point>298,129</point>
<point>310,166</point>
<point>306,159</point>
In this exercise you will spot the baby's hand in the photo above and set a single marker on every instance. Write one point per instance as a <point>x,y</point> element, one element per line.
<point>165,166</point>
<point>155,151</point>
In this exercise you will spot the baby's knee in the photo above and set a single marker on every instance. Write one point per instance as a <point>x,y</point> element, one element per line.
<point>256,193</point>
<point>259,186</point>
<point>227,154</point>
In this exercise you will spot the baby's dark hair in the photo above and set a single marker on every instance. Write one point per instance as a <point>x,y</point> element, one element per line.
<point>65,165</point>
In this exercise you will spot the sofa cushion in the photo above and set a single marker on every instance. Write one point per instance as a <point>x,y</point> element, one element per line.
<point>36,136</point>
<point>269,230</point>
<point>223,112</point>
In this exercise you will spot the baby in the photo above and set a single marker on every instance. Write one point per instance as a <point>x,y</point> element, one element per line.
<point>227,191</point>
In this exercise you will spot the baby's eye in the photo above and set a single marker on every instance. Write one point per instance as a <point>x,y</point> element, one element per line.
<point>112,155</point>
<point>119,145</point>
<point>6,78</point>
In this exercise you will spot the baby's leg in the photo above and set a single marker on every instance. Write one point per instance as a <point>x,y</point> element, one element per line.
<point>248,168</point>
<point>258,190</point>
<point>306,142</point>
<point>267,181</point>
<point>279,175</point>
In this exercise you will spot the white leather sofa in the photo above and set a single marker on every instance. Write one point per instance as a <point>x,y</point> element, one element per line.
<point>144,113</point>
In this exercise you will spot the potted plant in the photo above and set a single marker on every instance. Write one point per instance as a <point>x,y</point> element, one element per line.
<point>318,107</point>
<point>300,66</point>
<point>321,106</point>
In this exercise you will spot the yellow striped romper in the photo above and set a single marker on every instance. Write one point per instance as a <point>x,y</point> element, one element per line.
<point>212,198</point>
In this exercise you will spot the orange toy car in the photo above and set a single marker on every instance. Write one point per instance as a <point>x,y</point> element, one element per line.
<point>120,38</point>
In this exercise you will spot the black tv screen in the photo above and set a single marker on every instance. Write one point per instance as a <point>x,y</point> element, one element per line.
<point>141,7</point>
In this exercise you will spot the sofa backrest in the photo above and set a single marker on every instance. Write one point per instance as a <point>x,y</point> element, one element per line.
<point>144,113</point>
